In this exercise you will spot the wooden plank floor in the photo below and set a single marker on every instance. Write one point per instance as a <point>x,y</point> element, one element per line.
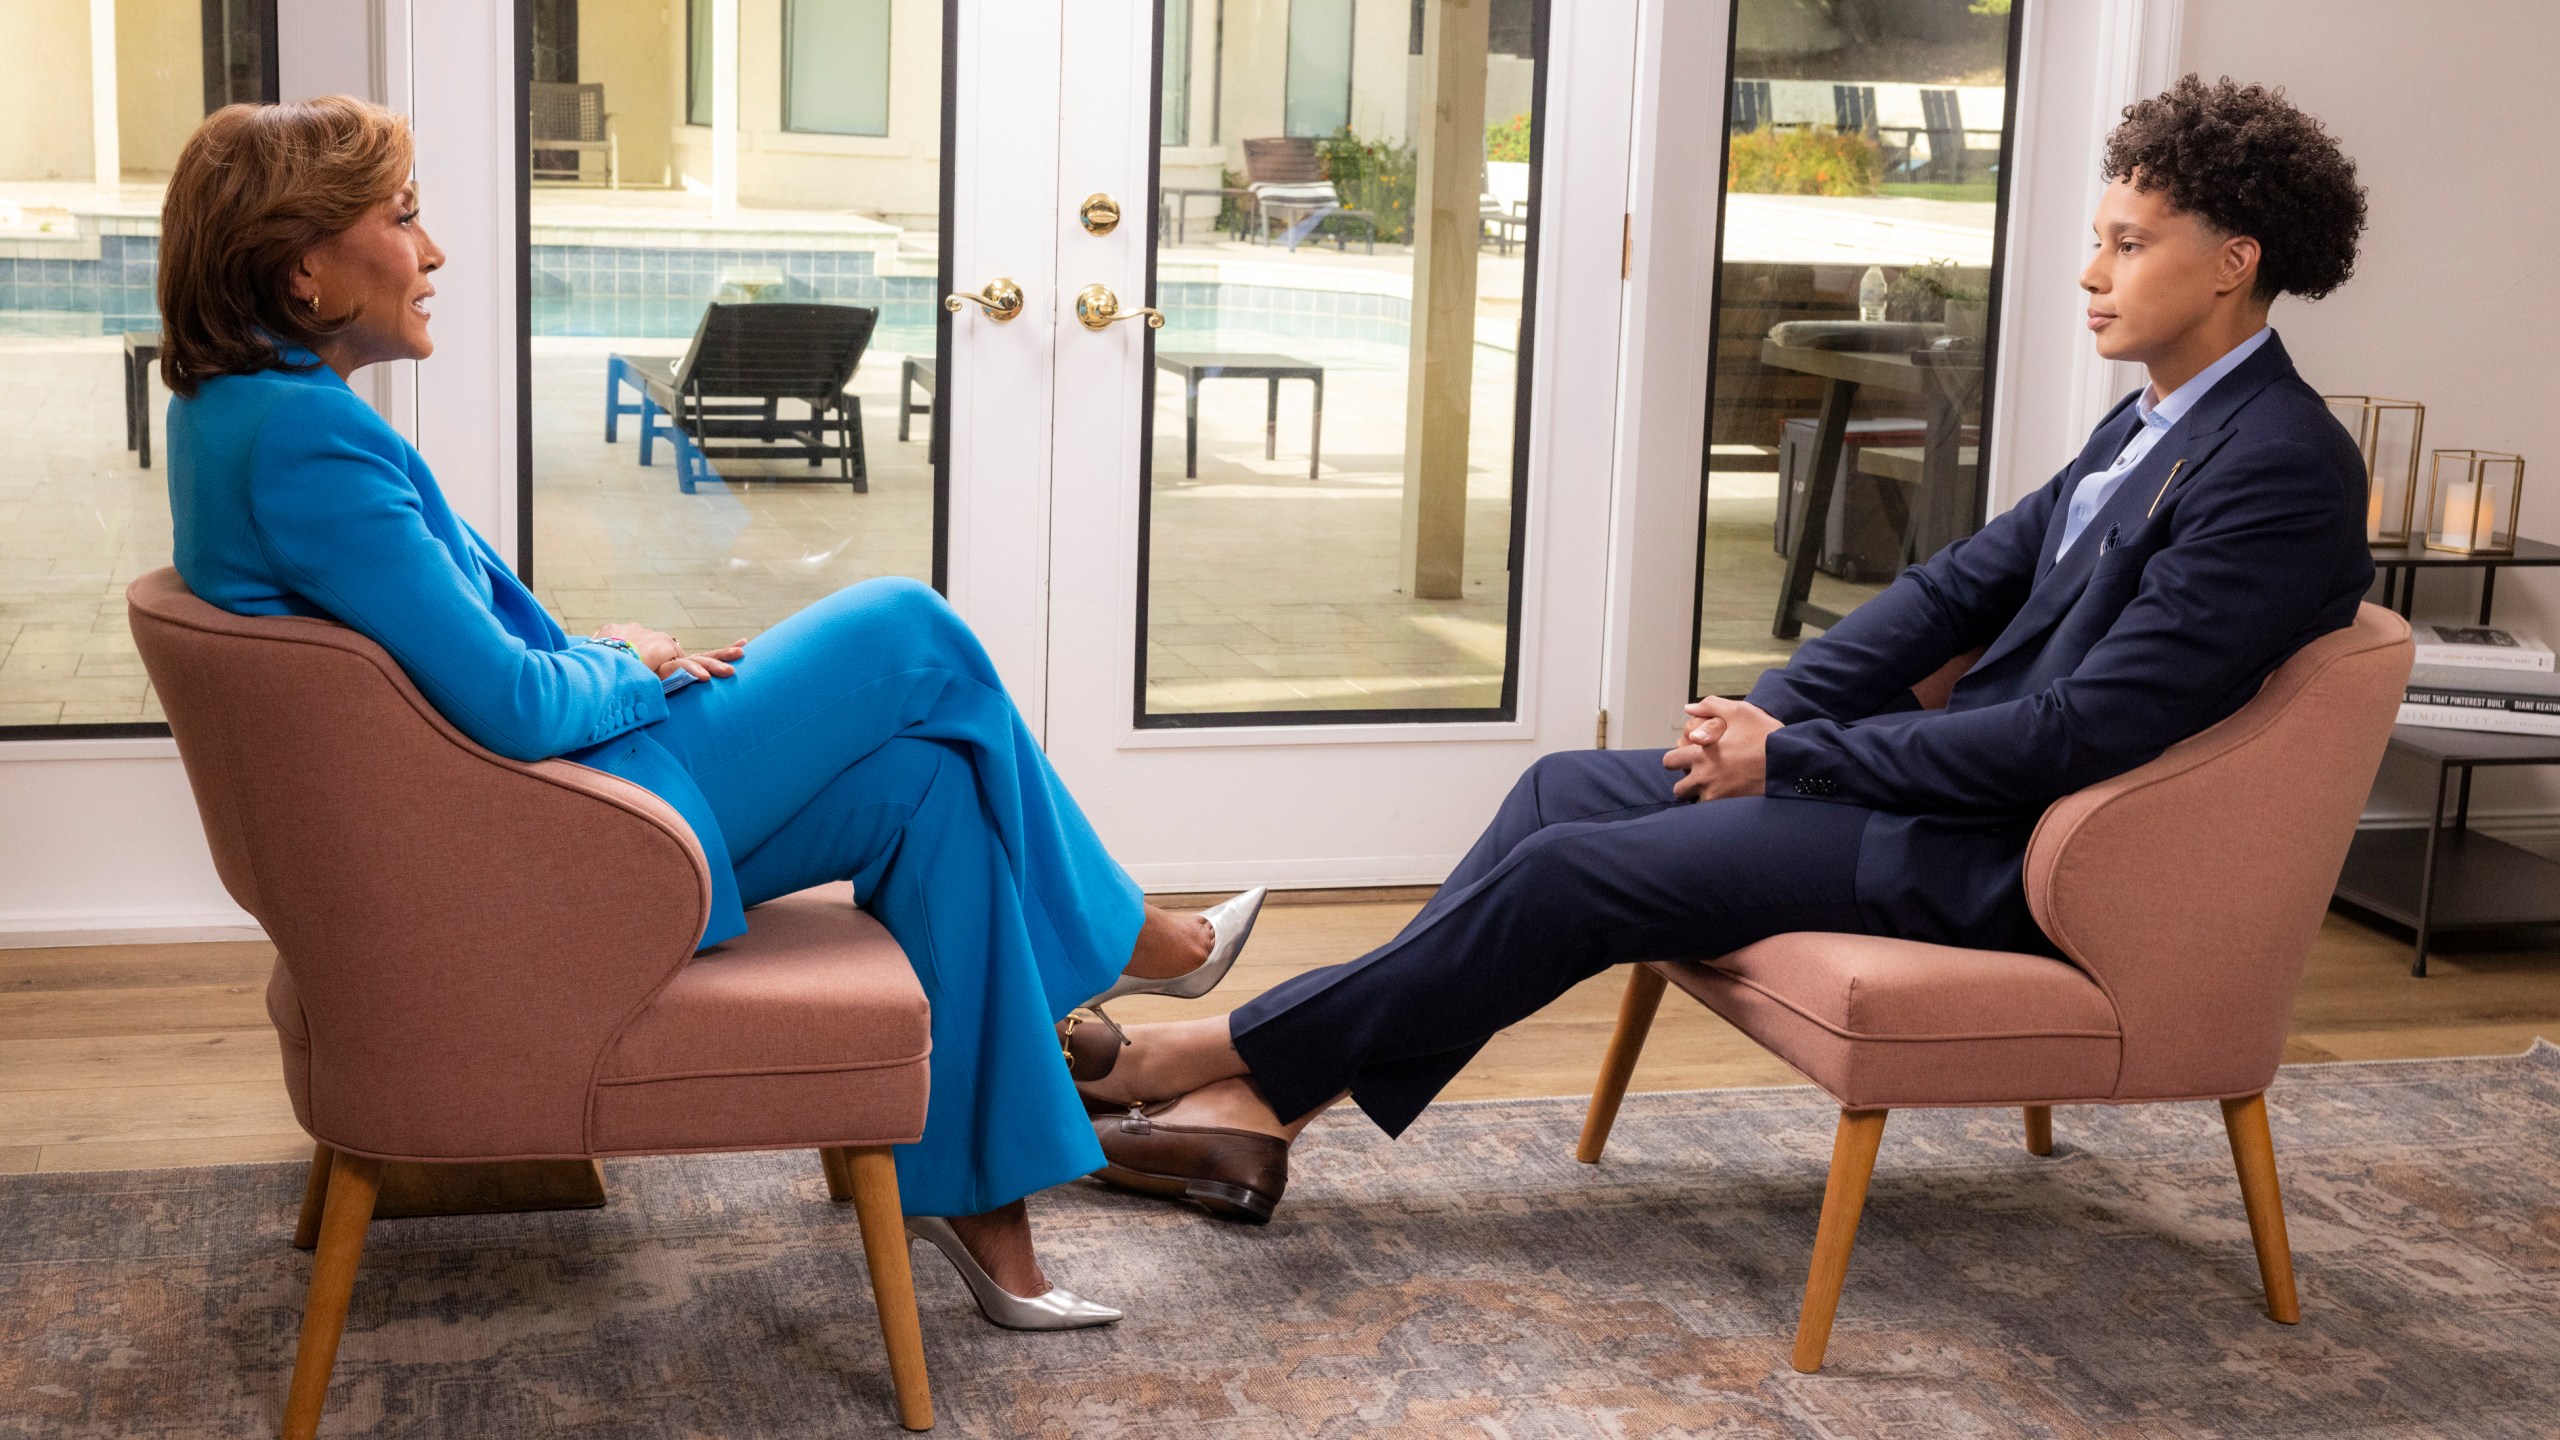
<point>125,1056</point>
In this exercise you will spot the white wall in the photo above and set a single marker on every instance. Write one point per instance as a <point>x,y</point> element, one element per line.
<point>2457,290</point>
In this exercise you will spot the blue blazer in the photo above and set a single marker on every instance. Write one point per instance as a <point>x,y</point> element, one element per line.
<point>291,496</point>
<point>2236,541</point>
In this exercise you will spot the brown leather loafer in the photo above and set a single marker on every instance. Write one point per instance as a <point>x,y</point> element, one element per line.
<point>1232,1174</point>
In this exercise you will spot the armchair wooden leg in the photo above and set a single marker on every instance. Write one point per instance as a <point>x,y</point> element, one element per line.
<point>2253,1153</point>
<point>1635,1021</point>
<point>353,1182</point>
<point>1853,1160</point>
<point>315,1194</point>
<point>2039,1129</point>
<point>893,1288</point>
<point>839,1172</point>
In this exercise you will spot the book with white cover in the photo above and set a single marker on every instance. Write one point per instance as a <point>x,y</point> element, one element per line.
<point>2498,722</point>
<point>2480,647</point>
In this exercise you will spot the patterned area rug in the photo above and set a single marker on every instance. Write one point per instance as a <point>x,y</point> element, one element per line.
<point>1472,1280</point>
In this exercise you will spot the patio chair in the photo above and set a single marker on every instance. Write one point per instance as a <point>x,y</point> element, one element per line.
<point>1853,109</point>
<point>1288,183</point>
<point>1943,116</point>
<point>723,399</point>
<point>1751,106</point>
<point>1502,209</point>
<point>569,119</point>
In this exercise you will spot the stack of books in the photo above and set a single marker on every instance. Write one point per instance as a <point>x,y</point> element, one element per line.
<point>2475,677</point>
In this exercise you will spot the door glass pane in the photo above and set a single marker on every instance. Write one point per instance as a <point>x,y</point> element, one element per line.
<point>838,53</point>
<point>1331,516</point>
<point>1866,160</point>
<point>732,392</point>
<point>84,501</point>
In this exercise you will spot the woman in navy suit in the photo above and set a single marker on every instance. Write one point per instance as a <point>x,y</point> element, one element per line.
<point>866,738</point>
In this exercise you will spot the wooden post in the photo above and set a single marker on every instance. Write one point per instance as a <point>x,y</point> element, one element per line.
<point>1441,367</point>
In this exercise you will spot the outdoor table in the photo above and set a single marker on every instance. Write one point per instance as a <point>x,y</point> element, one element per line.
<point>1945,384</point>
<point>1195,366</point>
<point>1176,214</point>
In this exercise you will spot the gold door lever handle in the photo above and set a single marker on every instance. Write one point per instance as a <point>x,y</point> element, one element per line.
<point>1097,307</point>
<point>1002,300</point>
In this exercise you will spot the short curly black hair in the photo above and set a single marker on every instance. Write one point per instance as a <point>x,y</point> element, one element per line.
<point>2249,163</point>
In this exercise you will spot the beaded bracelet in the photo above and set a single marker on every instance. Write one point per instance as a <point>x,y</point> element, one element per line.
<point>618,643</point>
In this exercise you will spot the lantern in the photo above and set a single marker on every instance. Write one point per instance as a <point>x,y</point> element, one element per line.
<point>2471,501</point>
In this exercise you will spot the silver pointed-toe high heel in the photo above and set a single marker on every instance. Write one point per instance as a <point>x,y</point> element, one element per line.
<point>1059,1309</point>
<point>1230,925</point>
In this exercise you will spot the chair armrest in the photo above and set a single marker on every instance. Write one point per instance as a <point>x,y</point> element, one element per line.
<point>2191,888</point>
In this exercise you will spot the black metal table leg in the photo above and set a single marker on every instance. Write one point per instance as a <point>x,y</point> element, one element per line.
<point>2427,875</point>
<point>1315,428</point>
<point>1812,510</point>
<point>1190,424</point>
<point>2488,590</point>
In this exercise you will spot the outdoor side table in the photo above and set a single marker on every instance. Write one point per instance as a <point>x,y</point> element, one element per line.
<point>1946,502</point>
<point>141,352</point>
<point>1195,367</point>
<point>2437,879</point>
<point>915,372</point>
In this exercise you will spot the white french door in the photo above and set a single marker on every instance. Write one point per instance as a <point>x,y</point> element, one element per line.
<point>1268,658</point>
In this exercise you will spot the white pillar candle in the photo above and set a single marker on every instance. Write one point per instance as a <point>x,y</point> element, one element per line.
<point>2461,509</point>
<point>2373,513</point>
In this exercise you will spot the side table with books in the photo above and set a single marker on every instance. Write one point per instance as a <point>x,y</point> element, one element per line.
<point>2479,696</point>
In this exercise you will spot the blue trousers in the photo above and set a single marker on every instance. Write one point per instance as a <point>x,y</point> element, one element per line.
<point>1589,863</point>
<point>868,739</point>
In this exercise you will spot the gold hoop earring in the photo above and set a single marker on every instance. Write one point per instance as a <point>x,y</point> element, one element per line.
<point>315,303</point>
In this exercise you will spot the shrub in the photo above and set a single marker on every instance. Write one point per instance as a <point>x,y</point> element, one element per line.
<point>1372,175</point>
<point>1813,160</point>
<point>1508,139</point>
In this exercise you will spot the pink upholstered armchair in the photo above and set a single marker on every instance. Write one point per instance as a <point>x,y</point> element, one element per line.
<point>2187,894</point>
<point>482,960</point>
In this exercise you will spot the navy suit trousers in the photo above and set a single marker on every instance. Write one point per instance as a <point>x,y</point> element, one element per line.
<point>1589,863</point>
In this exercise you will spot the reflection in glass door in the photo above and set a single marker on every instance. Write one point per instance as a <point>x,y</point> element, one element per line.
<point>1857,294</point>
<point>735,227</point>
<point>1332,502</point>
<point>101,99</point>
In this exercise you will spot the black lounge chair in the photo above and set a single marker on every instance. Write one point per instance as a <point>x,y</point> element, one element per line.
<point>746,360</point>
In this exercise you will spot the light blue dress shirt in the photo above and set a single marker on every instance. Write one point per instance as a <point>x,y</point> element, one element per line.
<point>2094,493</point>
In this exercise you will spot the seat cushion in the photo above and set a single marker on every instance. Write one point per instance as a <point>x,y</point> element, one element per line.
<point>1885,1023</point>
<point>810,1029</point>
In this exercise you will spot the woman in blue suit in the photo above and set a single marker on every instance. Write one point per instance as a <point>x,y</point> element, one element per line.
<point>866,738</point>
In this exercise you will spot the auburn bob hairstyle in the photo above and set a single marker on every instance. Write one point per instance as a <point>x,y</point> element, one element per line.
<point>256,188</point>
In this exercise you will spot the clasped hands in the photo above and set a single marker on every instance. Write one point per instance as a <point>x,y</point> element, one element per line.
<point>1724,747</point>
<point>660,652</point>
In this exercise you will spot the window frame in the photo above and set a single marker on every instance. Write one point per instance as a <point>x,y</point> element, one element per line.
<point>1995,301</point>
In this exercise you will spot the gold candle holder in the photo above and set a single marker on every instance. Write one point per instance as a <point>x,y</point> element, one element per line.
<point>2472,497</point>
<point>2387,434</point>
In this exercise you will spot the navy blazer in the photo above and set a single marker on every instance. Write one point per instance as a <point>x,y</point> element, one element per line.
<point>2235,542</point>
